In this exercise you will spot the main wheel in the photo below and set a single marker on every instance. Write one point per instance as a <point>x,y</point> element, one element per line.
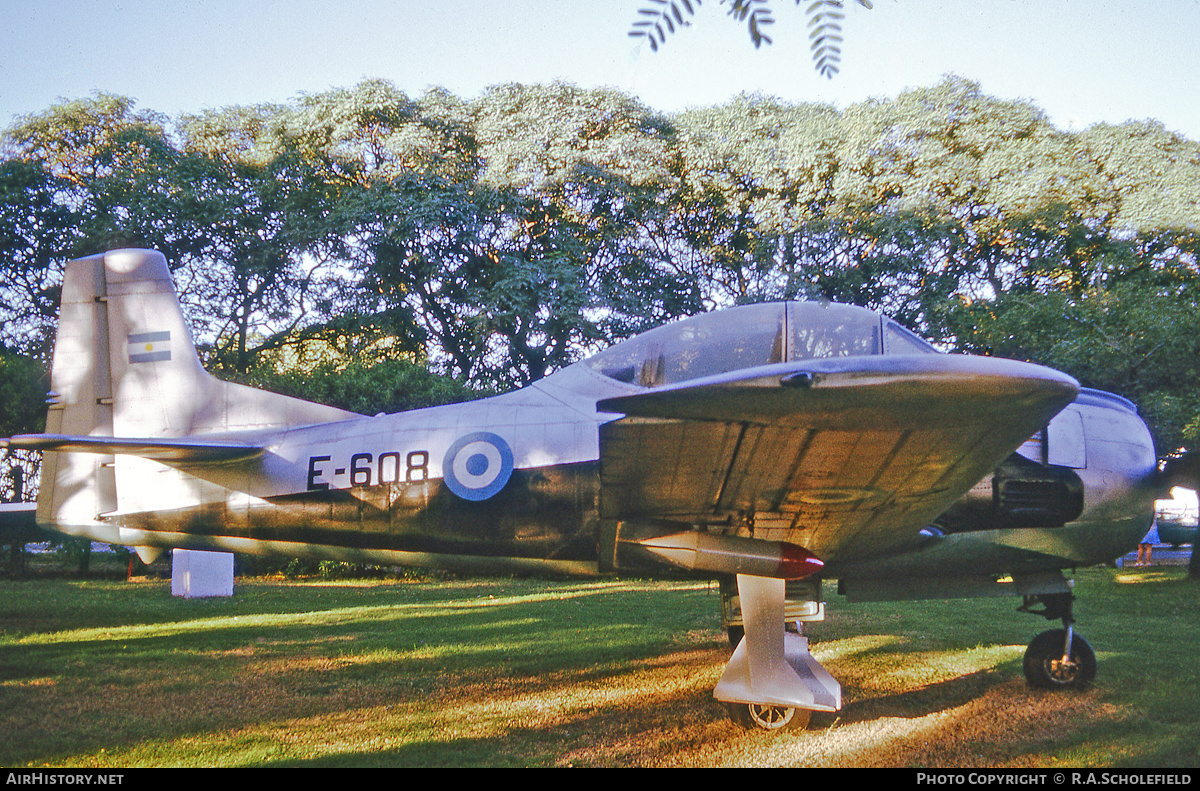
<point>765,717</point>
<point>1045,667</point>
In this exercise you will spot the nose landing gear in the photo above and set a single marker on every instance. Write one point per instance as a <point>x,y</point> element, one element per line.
<point>1059,658</point>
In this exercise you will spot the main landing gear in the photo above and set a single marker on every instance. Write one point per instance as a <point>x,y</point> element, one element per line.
<point>1059,658</point>
<point>764,716</point>
<point>772,682</point>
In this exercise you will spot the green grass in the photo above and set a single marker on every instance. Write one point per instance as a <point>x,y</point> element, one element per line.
<point>539,673</point>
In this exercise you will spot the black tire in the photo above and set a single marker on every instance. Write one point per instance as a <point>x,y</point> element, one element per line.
<point>769,718</point>
<point>1044,668</point>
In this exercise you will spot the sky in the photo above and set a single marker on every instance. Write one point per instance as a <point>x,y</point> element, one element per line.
<point>1081,61</point>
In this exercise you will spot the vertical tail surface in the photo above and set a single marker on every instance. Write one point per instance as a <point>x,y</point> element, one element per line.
<point>125,365</point>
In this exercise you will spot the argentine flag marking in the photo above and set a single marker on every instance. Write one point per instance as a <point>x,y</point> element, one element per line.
<point>149,347</point>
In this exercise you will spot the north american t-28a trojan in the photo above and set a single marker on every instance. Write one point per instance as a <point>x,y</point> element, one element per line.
<point>773,446</point>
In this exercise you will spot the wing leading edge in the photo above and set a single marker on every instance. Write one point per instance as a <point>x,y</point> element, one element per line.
<point>844,457</point>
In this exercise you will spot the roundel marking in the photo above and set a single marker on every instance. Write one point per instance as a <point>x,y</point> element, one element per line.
<point>477,465</point>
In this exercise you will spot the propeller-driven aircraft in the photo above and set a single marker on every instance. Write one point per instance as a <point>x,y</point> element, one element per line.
<point>774,446</point>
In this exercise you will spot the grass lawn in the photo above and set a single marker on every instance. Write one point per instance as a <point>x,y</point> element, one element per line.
<point>520,672</point>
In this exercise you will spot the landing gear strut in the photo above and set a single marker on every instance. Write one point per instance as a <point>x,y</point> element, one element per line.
<point>1059,658</point>
<point>772,682</point>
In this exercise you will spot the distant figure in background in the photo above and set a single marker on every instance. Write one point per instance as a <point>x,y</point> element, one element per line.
<point>16,475</point>
<point>1147,545</point>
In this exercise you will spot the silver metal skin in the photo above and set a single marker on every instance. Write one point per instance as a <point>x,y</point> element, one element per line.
<point>738,442</point>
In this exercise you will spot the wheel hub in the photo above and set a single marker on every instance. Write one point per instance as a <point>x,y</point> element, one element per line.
<point>1064,670</point>
<point>770,718</point>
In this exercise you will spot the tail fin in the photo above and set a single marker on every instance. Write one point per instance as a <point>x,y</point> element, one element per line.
<point>125,365</point>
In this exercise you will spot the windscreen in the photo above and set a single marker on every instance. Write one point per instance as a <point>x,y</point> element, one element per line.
<point>898,340</point>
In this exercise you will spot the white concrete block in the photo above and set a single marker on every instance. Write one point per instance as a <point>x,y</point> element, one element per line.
<point>196,574</point>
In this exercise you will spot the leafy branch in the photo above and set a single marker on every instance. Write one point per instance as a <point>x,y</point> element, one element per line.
<point>824,22</point>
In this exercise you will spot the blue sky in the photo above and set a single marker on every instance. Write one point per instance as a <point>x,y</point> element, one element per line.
<point>1082,61</point>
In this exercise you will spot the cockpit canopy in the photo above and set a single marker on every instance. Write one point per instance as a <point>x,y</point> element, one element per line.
<point>753,335</point>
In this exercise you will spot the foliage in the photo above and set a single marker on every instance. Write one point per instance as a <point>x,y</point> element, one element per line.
<point>510,274</point>
<point>37,233</point>
<point>1138,338</point>
<point>363,386</point>
<point>23,387</point>
<point>824,23</point>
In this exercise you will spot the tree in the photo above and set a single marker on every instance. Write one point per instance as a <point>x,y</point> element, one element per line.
<point>532,251</point>
<point>37,233</point>
<point>23,387</point>
<point>824,22</point>
<point>266,272</point>
<point>367,384</point>
<point>1138,338</point>
<point>502,238</point>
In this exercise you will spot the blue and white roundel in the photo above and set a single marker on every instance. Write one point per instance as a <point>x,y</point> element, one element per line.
<point>477,466</point>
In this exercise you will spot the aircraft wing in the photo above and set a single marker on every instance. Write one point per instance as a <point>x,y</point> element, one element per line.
<point>846,457</point>
<point>184,451</point>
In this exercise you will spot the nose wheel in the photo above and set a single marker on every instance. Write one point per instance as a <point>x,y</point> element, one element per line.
<point>1059,659</point>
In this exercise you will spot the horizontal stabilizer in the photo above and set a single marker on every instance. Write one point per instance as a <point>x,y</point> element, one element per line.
<point>178,451</point>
